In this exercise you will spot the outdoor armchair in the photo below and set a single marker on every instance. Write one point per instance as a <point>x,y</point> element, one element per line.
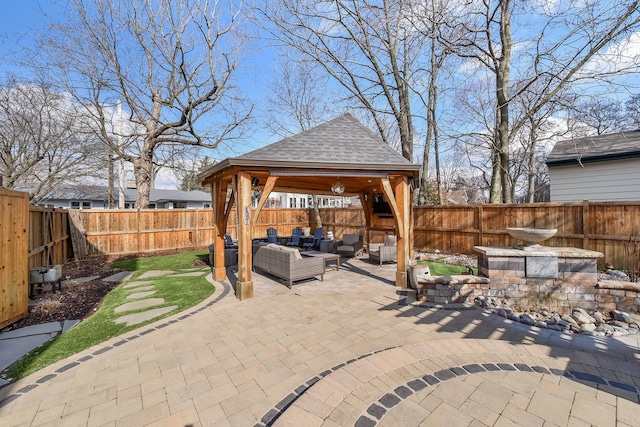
<point>386,252</point>
<point>317,236</point>
<point>350,244</point>
<point>295,237</point>
<point>272,235</point>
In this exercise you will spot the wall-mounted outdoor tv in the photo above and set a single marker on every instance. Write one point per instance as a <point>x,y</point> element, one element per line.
<point>381,207</point>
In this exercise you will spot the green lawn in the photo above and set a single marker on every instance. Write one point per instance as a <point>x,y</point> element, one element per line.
<point>438,269</point>
<point>184,292</point>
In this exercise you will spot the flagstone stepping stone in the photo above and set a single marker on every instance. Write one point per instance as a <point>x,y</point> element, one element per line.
<point>138,305</point>
<point>123,276</point>
<point>138,295</point>
<point>68,324</point>
<point>155,273</point>
<point>138,283</point>
<point>141,288</point>
<point>191,274</point>
<point>134,319</point>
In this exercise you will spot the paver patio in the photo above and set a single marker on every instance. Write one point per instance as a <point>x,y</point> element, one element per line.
<point>352,350</point>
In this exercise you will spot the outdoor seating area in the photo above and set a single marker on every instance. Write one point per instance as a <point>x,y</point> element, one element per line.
<point>386,252</point>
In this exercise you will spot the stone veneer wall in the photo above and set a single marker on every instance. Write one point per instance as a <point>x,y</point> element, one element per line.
<point>574,286</point>
<point>616,295</point>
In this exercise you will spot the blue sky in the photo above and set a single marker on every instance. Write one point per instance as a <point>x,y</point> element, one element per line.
<point>19,18</point>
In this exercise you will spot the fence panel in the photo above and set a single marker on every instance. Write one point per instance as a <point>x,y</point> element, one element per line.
<point>609,227</point>
<point>14,256</point>
<point>48,236</point>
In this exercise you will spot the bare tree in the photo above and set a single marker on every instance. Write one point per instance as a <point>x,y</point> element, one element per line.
<point>597,115</point>
<point>567,49</point>
<point>297,98</point>
<point>187,172</point>
<point>171,63</point>
<point>429,20</point>
<point>368,47</point>
<point>42,139</point>
<point>632,110</point>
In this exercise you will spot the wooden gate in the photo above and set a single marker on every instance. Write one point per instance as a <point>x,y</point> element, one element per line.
<point>14,269</point>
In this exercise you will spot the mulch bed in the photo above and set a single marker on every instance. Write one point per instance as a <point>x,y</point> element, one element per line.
<point>75,301</point>
<point>79,300</point>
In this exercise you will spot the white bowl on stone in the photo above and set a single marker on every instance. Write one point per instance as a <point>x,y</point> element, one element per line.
<point>531,236</point>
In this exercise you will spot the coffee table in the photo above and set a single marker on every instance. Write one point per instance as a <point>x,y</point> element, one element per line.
<point>328,257</point>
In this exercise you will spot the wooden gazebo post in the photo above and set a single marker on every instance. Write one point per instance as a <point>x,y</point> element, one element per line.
<point>244,285</point>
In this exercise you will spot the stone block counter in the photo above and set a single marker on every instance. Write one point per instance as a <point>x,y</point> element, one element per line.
<point>557,279</point>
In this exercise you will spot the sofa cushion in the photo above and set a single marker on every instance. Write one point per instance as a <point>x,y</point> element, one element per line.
<point>294,251</point>
<point>390,241</point>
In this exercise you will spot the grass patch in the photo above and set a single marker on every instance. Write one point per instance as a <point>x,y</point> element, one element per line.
<point>184,292</point>
<point>439,269</point>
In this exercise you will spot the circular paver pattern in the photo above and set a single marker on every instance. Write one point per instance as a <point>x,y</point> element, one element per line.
<point>462,382</point>
<point>352,349</point>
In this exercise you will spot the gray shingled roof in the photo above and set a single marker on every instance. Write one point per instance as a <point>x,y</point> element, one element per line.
<point>343,140</point>
<point>615,146</point>
<point>99,192</point>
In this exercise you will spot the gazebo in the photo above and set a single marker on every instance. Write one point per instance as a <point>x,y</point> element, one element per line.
<point>341,157</point>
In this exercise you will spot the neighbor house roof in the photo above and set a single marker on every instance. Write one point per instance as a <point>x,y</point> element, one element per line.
<point>99,192</point>
<point>339,144</point>
<point>615,146</point>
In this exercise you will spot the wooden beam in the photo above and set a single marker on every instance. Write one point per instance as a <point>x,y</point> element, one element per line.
<point>367,206</point>
<point>266,191</point>
<point>391,199</point>
<point>219,195</point>
<point>232,199</point>
<point>244,285</point>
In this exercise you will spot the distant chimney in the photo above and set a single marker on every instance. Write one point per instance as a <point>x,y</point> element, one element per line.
<point>131,184</point>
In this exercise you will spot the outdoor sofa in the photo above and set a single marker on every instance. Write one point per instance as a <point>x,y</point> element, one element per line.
<point>287,263</point>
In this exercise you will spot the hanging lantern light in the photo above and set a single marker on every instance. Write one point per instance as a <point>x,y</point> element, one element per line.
<point>338,187</point>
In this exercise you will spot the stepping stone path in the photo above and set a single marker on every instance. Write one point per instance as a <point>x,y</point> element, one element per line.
<point>141,290</point>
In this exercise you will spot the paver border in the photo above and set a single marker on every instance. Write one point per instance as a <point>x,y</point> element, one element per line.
<point>377,410</point>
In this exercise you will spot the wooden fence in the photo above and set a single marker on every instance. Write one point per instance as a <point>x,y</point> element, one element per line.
<point>48,236</point>
<point>14,268</point>
<point>122,231</point>
<point>612,228</point>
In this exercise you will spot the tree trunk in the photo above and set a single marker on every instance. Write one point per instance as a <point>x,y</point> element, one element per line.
<point>111,184</point>
<point>531,192</point>
<point>316,210</point>
<point>143,172</point>
<point>496,184</point>
<point>502,97</point>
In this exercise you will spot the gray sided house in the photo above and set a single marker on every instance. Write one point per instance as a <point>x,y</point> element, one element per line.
<point>598,168</point>
<point>95,197</point>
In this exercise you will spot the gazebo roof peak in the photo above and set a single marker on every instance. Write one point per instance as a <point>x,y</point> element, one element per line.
<point>337,146</point>
<point>343,140</point>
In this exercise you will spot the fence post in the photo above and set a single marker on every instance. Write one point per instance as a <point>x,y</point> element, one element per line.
<point>139,231</point>
<point>197,216</point>
<point>585,224</point>
<point>480,227</point>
